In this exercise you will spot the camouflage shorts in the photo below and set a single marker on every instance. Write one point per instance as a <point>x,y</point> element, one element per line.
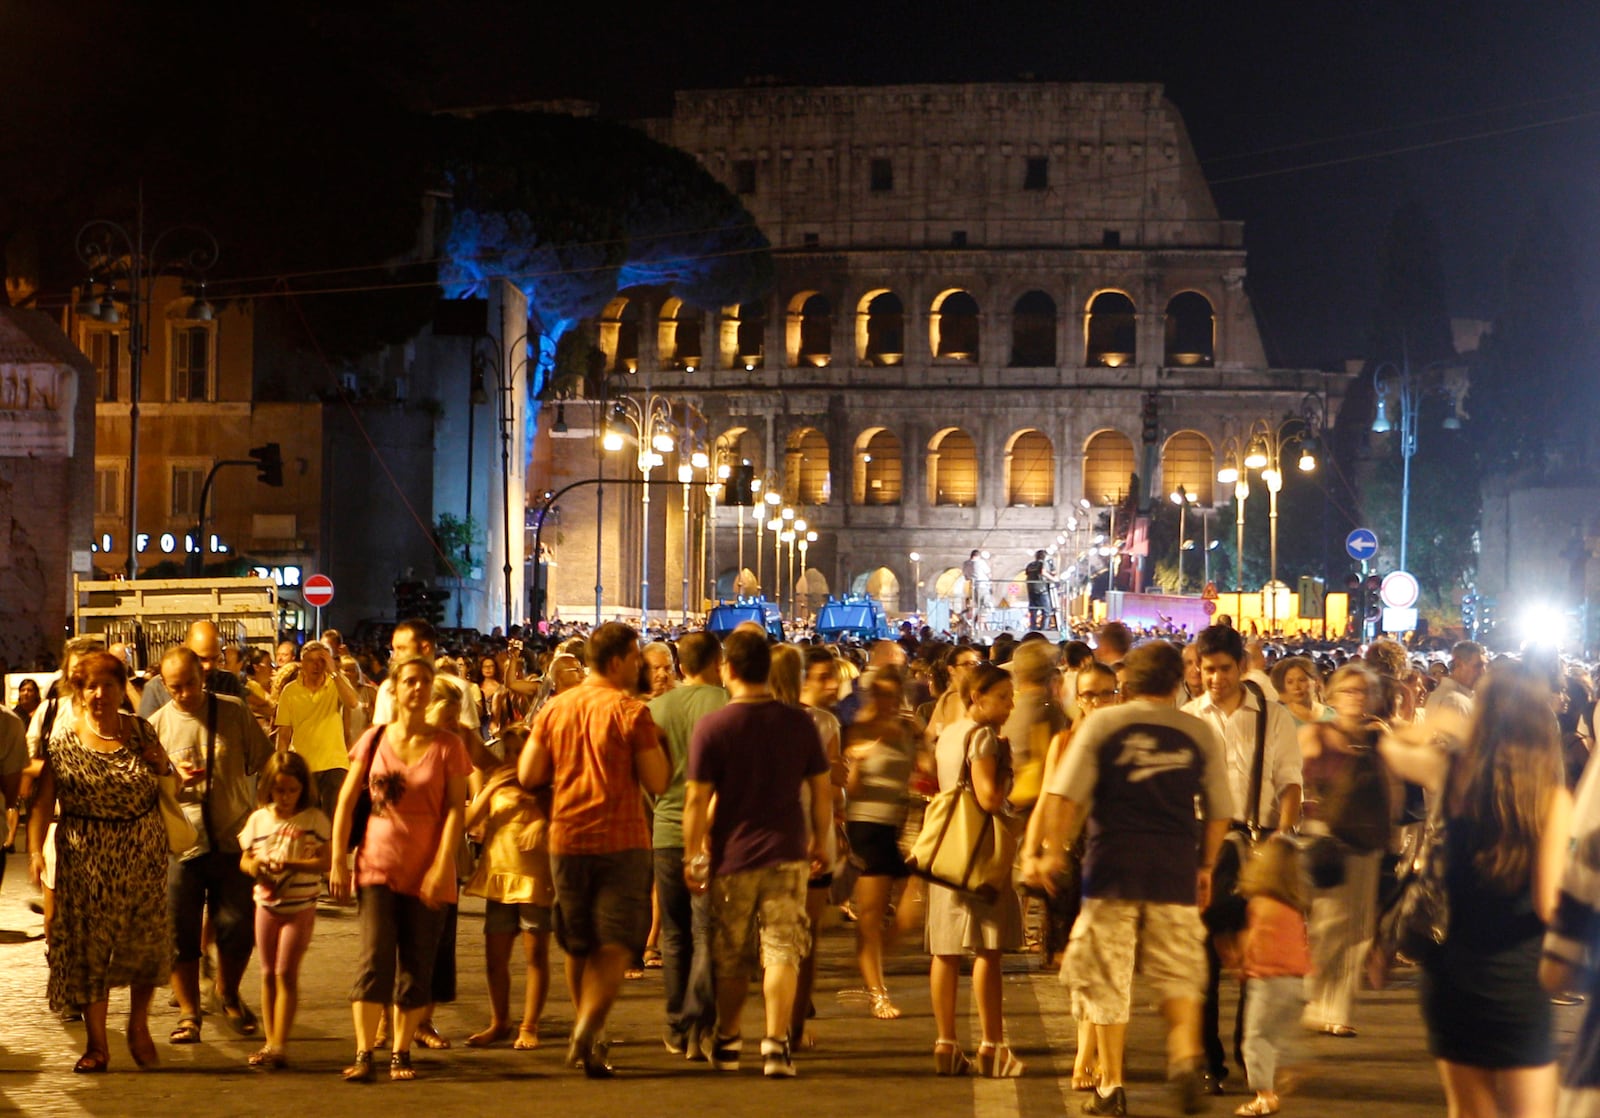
<point>765,906</point>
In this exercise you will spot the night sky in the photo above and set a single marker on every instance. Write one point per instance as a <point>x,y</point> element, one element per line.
<point>1314,121</point>
<point>1312,127</point>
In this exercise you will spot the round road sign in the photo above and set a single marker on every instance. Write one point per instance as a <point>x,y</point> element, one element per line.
<point>1399,590</point>
<point>317,590</point>
<point>1362,544</point>
<point>1209,606</point>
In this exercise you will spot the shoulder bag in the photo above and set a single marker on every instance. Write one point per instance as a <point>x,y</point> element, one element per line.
<point>1418,921</point>
<point>361,810</point>
<point>962,846</point>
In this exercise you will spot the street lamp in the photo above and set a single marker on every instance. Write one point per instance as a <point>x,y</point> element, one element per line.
<point>916,581</point>
<point>763,513</point>
<point>1409,388</point>
<point>113,252</point>
<point>651,421</point>
<point>805,545</point>
<point>1183,499</point>
<point>506,405</point>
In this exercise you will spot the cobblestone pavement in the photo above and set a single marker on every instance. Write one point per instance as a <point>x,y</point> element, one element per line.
<point>860,1065</point>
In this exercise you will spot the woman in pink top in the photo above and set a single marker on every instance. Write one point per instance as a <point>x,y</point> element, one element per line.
<point>1275,956</point>
<point>405,865</point>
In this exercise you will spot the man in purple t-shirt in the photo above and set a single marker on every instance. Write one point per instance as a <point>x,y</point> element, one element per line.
<point>753,755</point>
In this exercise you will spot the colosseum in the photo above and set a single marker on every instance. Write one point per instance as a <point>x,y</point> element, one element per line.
<point>995,305</point>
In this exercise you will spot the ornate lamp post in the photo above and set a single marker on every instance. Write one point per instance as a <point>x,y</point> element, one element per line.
<point>114,253</point>
<point>653,427</point>
<point>763,514</point>
<point>1234,473</point>
<point>493,359</point>
<point>1408,388</point>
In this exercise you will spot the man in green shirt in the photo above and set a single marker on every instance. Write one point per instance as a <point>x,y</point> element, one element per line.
<point>685,918</point>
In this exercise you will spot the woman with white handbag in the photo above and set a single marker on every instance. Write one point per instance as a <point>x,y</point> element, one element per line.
<point>971,753</point>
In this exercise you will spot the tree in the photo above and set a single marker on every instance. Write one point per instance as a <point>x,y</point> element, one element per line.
<point>572,210</point>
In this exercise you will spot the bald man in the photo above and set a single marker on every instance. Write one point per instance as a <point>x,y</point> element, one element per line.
<point>205,642</point>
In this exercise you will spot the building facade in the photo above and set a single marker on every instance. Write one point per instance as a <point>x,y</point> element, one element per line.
<point>994,304</point>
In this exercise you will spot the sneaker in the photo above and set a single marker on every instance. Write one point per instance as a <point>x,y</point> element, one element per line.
<point>776,1063</point>
<point>1116,1103</point>
<point>1189,1090</point>
<point>725,1053</point>
<point>675,1042</point>
<point>698,1048</point>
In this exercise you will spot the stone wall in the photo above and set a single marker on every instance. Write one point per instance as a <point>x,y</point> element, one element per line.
<point>46,483</point>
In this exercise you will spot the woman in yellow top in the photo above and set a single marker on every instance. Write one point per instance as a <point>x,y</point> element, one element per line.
<point>513,877</point>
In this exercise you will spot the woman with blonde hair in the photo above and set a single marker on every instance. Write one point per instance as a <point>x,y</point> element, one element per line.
<point>1509,818</point>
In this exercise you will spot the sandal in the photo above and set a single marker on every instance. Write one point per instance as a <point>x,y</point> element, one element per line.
<point>400,1066</point>
<point>267,1059</point>
<point>187,1032</point>
<point>1341,1031</point>
<point>882,1008</point>
<point>1086,1082</point>
<point>527,1040</point>
<point>652,958</point>
<point>361,1070</point>
<point>998,1062</point>
<point>91,1062</point>
<point>1261,1104</point>
<point>238,1016</point>
<point>948,1059</point>
<point>430,1037</point>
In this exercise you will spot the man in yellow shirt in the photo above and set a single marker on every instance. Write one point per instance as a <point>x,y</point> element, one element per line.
<point>310,720</point>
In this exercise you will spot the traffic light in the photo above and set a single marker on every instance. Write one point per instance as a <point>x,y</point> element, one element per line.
<point>1150,419</point>
<point>269,464</point>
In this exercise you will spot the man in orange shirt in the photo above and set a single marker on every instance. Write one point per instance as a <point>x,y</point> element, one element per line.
<point>597,748</point>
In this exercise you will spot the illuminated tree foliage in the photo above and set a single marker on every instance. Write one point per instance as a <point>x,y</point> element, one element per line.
<point>573,210</point>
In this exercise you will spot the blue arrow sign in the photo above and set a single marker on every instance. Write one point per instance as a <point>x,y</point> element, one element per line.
<point>1362,544</point>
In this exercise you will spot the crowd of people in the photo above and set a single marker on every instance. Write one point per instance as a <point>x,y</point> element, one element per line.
<point>1205,812</point>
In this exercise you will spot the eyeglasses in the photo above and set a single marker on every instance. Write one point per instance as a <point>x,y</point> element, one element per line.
<point>966,663</point>
<point>1098,696</point>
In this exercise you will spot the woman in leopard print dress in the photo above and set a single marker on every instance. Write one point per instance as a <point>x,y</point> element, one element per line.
<point>110,926</point>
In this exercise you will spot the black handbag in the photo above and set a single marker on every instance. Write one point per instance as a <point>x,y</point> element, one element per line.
<point>361,810</point>
<point>1416,924</point>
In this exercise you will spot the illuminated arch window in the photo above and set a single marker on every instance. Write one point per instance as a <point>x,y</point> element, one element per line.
<point>810,329</point>
<point>953,469</point>
<point>806,478</point>
<point>619,335</point>
<point>1030,470</point>
<point>1187,460</point>
<point>1033,331</point>
<point>1111,333</point>
<point>953,326</point>
<point>880,329</point>
<point>678,335</point>
<point>879,473</point>
<point>1191,330</point>
<point>744,336</point>
<point>1107,466</point>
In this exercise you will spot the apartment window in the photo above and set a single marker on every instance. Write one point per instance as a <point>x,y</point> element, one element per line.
<point>958,239</point>
<point>1037,174</point>
<point>191,364</point>
<point>744,176</point>
<point>108,489</point>
<point>882,175</point>
<point>811,240</point>
<point>1111,238</point>
<point>186,484</point>
<point>107,352</point>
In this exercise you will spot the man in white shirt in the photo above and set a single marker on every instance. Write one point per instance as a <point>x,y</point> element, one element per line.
<point>1467,665</point>
<point>417,637</point>
<point>1234,711</point>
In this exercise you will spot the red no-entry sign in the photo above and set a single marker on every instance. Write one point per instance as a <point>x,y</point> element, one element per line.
<point>317,590</point>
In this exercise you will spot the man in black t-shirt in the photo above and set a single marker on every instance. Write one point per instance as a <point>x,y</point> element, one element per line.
<point>753,755</point>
